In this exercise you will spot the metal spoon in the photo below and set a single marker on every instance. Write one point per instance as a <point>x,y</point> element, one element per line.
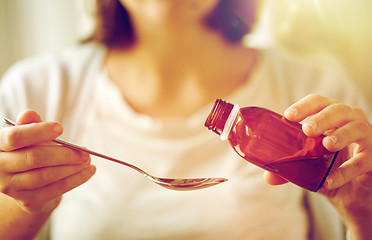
<point>171,183</point>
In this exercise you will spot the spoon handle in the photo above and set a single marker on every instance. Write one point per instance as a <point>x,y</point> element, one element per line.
<point>79,148</point>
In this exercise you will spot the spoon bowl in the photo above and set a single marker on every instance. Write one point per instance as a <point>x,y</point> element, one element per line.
<point>181,184</point>
<point>187,184</point>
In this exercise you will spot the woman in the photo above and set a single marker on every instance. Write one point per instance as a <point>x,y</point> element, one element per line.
<point>142,94</point>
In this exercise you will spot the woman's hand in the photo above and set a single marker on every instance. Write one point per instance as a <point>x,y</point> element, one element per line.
<point>349,185</point>
<point>34,171</point>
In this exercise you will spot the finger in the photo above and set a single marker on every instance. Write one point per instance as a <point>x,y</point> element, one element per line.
<point>333,116</point>
<point>39,157</point>
<point>34,199</point>
<point>42,177</point>
<point>307,106</point>
<point>354,167</point>
<point>355,131</point>
<point>28,116</point>
<point>273,179</point>
<point>12,138</point>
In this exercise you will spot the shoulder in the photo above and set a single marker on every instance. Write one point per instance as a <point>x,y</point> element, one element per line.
<point>51,80</point>
<point>321,67</point>
<point>71,60</point>
<point>320,73</point>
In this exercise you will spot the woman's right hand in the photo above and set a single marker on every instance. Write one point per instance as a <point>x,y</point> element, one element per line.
<point>34,171</point>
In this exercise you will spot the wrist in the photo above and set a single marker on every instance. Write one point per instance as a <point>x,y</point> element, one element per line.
<point>17,222</point>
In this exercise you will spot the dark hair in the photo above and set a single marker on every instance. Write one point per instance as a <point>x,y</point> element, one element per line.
<point>232,18</point>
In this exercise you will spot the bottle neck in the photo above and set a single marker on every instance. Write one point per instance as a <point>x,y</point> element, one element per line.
<point>221,118</point>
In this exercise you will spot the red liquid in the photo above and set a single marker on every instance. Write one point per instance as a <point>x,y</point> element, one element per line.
<point>307,173</point>
<point>271,142</point>
<point>268,140</point>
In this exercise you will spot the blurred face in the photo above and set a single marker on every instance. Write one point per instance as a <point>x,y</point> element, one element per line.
<point>169,10</point>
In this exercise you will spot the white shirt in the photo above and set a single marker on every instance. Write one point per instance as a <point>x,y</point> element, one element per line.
<point>119,203</point>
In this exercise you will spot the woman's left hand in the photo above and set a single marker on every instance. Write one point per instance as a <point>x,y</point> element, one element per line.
<point>349,185</point>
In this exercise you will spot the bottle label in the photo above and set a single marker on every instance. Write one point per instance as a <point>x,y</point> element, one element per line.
<point>229,122</point>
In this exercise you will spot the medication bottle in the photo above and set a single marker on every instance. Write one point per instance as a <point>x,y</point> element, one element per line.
<point>268,140</point>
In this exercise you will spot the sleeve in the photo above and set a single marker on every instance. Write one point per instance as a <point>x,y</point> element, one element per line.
<point>56,85</point>
<point>320,73</point>
<point>18,91</point>
<point>324,221</point>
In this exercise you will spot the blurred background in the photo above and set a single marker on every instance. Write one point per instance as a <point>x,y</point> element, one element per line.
<point>341,27</point>
<point>29,27</point>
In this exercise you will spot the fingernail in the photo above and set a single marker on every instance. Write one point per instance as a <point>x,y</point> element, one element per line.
<point>329,181</point>
<point>312,124</point>
<point>57,128</point>
<point>332,138</point>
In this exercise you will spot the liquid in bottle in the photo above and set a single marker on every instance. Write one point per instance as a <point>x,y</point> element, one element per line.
<point>270,141</point>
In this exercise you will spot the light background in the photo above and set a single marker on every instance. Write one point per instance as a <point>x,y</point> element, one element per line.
<point>29,27</point>
<point>342,27</point>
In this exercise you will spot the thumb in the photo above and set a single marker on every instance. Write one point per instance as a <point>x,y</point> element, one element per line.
<point>273,179</point>
<point>29,131</point>
<point>28,116</point>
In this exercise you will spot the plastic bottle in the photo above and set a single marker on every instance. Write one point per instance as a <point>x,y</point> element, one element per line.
<point>270,141</point>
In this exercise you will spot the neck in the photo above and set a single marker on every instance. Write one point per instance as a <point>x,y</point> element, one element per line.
<point>172,71</point>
